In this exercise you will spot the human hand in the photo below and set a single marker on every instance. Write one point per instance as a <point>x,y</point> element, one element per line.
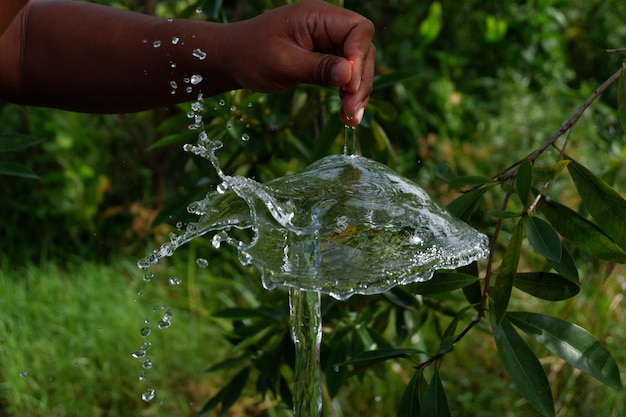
<point>310,42</point>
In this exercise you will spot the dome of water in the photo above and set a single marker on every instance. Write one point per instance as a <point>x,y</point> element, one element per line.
<point>346,225</point>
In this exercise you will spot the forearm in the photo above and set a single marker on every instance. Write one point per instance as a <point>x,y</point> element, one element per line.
<point>85,57</point>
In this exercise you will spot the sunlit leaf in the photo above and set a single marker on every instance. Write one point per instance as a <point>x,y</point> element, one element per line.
<point>508,271</point>
<point>543,238</point>
<point>373,357</point>
<point>464,206</point>
<point>382,140</point>
<point>435,403</point>
<point>16,170</point>
<point>621,96</point>
<point>443,281</point>
<point>606,206</point>
<point>15,142</point>
<point>572,343</point>
<point>581,232</point>
<point>524,182</point>
<point>546,285</point>
<point>384,109</point>
<point>525,370</point>
<point>545,174</point>
<point>411,398</point>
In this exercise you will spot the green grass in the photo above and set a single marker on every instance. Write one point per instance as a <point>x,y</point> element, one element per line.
<point>66,338</point>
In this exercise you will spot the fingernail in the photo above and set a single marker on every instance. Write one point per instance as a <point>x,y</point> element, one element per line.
<point>335,74</point>
<point>358,116</point>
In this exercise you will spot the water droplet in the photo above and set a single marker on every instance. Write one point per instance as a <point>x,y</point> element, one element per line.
<point>148,277</point>
<point>197,106</point>
<point>145,331</point>
<point>142,376</point>
<point>249,104</point>
<point>173,64</point>
<point>202,263</point>
<point>179,225</point>
<point>245,137</point>
<point>138,354</point>
<point>196,79</point>
<point>188,89</point>
<point>170,19</point>
<point>198,10</point>
<point>173,84</point>
<point>221,102</point>
<point>335,368</point>
<point>147,364</point>
<point>23,374</point>
<point>156,44</point>
<point>146,345</point>
<point>174,281</point>
<point>232,108</point>
<point>199,53</point>
<point>216,241</point>
<point>148,395</point>
<point>175,40</point>
<point>221,188</point>
<point>190,115</point>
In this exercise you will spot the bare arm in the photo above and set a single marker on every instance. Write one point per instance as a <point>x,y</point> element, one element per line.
<point>86,57</point>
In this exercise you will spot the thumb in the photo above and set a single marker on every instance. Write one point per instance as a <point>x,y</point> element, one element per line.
<point>332,71</point>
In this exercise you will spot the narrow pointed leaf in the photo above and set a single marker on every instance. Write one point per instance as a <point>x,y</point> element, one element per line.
<point>572,343</point>
<point>606,206</point>
<point>470,180</point>
<point>373,357</point>
<point>548,173</point>
<point>14,142</point>
<point>566,266</point>
<point>442,282</point>
<point>524,182</point>
<point>543,238</point>
<point>508,270</point>
<point>411,398</point>
<point>229,394</point>
<point>621,96</point>
<point>464,206</point>
<point>546,285</point>
<point>435,403</point>
<point>16,170</point>
<point>581,232</point>
<point>524,368</point>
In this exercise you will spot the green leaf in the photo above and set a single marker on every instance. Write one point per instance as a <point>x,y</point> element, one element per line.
<point>336,374</point>
<point>546,174</point>
<point>384,109</point>
<point>572,343</point>
<point>382,140</point>
<point>566,265</point>
<point>229,394</point>
<point>546,285</point>
<point>16,170</point>
<point>606,206</point>
<point>435,403</point>
<point>14,142</point>
<point>524,182</point>
<point>581,232</point>
<point>463,206</point>
<point>621,96</point>
<point>226,364</point>
<point>443,171</point>
<point>543,238</point>
<point>443,281</point>
<point>411,398</point>
<point>499,214</point>
<point>508,271</point>
<point>372,357</point>
<point>524,368</point>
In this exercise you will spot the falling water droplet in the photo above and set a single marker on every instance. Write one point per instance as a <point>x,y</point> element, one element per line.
<point>145,331</point>
<point>170,19</point>
<point>202,263</point>
<point>142,376</point>
<point>173,84</point>
<point>175,40</point>
<point>23,374</point>
<point>222,102</point>
<point>148,395</point>
<point>156,44</point>
<point>196,78</point>
<point>148,277</point>
<point>199,53</point>
<point>138,354</point>
<point>174,281</point>
<point>145,346</point>
<point>245,137</point>
<point>221,188</point>
<point>198,10</point>
<point>147,364</point>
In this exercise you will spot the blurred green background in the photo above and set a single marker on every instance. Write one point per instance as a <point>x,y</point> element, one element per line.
<point>474,85</point>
